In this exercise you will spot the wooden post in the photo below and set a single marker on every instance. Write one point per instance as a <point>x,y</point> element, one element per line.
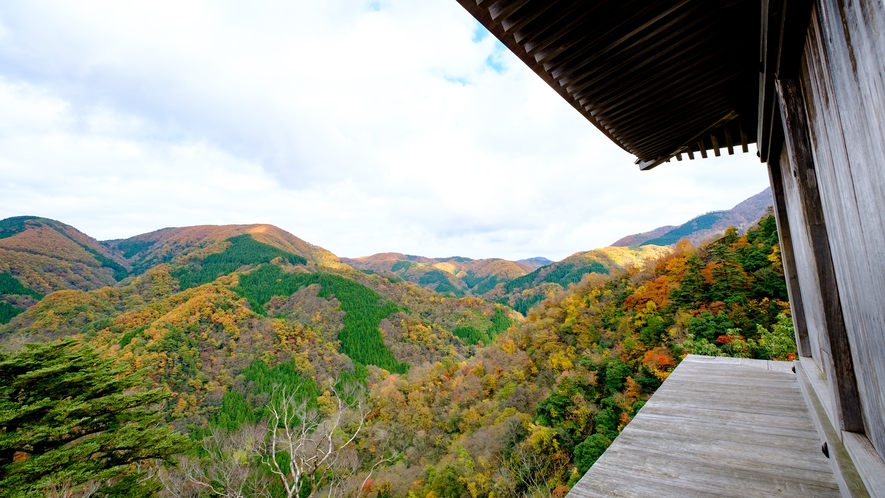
<point>795,125</point>
<point>788,257</point>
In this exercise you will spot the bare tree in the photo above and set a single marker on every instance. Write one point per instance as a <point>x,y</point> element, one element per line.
<point>526,469</point>
<point>176,482</point>
<point>305,449</point>
<point>66,490</point>
<point>229,471</point>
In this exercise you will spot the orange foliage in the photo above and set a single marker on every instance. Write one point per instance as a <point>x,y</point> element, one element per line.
<point>728,339</point>
<point>659,358</point>
<point>656,290</point>
<point>632,388</point>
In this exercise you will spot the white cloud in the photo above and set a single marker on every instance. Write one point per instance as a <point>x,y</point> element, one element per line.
<point>355,128</point>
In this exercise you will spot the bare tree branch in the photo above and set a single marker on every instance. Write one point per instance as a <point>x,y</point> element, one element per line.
<point>306,449</point>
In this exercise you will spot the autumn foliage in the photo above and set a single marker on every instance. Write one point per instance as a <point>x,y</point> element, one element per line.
<point>463,396</point>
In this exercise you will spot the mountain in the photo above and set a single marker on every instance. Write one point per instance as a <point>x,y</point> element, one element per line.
<point>460,396</point>
<point>39,256</point>
<point>640,238</point>
<point>523,292</point>
<point>242,275</point>
<point>706,226</point>
<point>456,275</point>
<point>535,409</point>
<point>163,246</point>
<point>536,262</point>
<point>521,284</point>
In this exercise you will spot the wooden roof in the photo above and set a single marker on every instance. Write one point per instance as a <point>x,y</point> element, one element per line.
<point>659,78</point>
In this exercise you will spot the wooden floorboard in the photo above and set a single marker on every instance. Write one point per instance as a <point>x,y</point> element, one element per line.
<point>717,427</point>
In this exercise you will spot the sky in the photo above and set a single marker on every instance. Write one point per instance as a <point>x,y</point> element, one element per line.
<point>359,126</point>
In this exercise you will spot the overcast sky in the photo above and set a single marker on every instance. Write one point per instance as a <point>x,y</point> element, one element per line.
<point>359,126</point>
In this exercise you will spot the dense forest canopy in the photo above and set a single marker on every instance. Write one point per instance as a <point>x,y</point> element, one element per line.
<point>263,357</point>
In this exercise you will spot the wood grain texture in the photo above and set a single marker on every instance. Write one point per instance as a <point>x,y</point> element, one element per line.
<point>658,78</point>
<point>840,368</point>
<point>806,272</point>
<point>717,427</point>
<point>788,257</point>
<point>844,80</point>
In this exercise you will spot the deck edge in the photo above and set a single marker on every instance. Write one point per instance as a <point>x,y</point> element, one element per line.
<point>850,482</point>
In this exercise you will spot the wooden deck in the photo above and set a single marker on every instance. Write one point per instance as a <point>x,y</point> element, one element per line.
<point>717,427</point>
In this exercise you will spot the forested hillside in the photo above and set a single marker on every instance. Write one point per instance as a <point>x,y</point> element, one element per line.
<point>410,391</point>
<point>456,275</point>
<point>524,292</point>
<point>164,246</point>
<point>534,410</point>
<point>210,314</point>
<point>39,256</point>
<point>519,285</point>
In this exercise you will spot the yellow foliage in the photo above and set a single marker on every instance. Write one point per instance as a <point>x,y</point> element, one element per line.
<point>560,362</point>
<point>543,438</point>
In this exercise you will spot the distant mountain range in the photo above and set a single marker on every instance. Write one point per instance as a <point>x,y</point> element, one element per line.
<point>521,284</point>
<point>705,226</point>
<point>536,262</point>
<point>456,275</point>
<point>525,291</point>
<point>57,281</point>
<point>226,318</point>
<point>39,256</point>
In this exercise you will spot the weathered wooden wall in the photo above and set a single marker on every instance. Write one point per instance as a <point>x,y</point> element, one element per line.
<point>805,263</point>
<point>842,80</point>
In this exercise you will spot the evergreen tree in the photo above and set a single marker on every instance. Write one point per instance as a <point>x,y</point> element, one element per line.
<point>69,417</point>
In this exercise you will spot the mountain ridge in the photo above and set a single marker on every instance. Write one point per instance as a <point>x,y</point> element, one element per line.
<point>41,256</point>
<point>706,226</point>
<point>453,386</point>
<point>165,244</point>
<point>48,255</point>
<point>455,274</point>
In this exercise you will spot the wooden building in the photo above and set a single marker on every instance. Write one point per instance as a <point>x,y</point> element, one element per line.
<point>805,81</point>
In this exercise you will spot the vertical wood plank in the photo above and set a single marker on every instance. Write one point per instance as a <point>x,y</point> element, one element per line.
<point>729,143</point>
<point>806,271</point>
<point>844,85</point>
<point>788,258</point>
<point>844,382</point>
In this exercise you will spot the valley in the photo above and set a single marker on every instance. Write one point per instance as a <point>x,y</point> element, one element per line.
<point>430,376</point>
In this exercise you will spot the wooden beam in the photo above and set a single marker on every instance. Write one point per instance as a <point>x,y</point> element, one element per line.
<point>767,109</point>
<point>646,165</point>
<point>503,9</point>
<point>679,156</point>
<point>795,124</point>
<point>479,10</point>
<point>715,142</point>
<point>800,323</point>
<point>795,17</point>
<point>743,139</point>
<point>703,148</point>
<point>690,153</point>
<point>516,25</point>
<point>728,142</point>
